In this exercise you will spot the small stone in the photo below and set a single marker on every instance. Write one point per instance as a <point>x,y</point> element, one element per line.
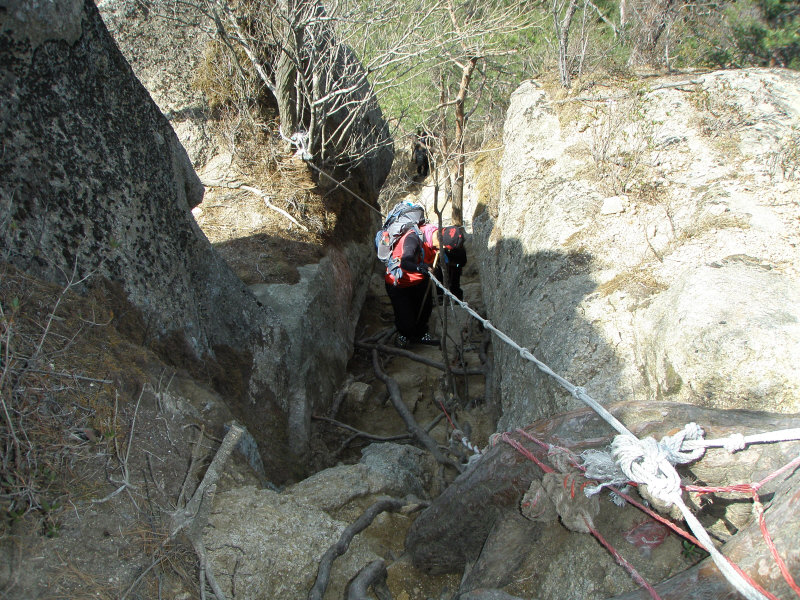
<point>613,205</point>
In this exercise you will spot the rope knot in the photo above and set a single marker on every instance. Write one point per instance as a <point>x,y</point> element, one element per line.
<point>735,442</point>
<point>646,461</point>
<point>681,448</point>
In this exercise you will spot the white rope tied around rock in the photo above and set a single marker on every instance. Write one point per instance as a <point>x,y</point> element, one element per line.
<point>620,465</point>
<point>649,463</point>
<point>644,461</point>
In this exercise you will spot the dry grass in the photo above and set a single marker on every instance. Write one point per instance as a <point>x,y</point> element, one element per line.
<point>56,394</point>
<point>784,162</point>
<point>638,282</point>
<point>487,177</point>
<point>70,386</point>
<point>719,120</point>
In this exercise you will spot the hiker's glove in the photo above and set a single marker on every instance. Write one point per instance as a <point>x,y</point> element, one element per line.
<point>423,268</point>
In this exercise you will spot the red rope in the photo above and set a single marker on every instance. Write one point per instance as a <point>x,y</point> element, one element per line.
<point>526,453</point>
<point>746,488</point>
<point>752,488</point>
<point>445,414</point>
<point>762,523</point>
<point>623,563</point>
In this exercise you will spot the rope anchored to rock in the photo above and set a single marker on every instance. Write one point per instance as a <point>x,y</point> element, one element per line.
<point>647,462</point>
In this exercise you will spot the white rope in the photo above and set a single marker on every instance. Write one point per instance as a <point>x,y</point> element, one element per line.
<point>577,392</point>
<point>458,434</point>
<point>607,467</point>
<point>644,461</point>
<point>737,441</point>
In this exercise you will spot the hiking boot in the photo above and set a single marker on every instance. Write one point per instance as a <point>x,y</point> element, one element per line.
<point>401,341</point>
<point>427,339</point>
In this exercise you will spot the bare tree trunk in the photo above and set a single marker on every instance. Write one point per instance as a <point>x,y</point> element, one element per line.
<point>562,33</point>
<point>286,73</point>
<point>461,159</point>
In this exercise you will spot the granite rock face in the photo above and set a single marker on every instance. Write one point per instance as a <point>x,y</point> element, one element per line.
<point>94,185</point>
<point>164,43</point>
<point>649,242</point>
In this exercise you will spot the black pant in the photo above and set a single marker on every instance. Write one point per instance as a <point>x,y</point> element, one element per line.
<point>421,160</point>
<point>412,308</point>
<point>455,261</point>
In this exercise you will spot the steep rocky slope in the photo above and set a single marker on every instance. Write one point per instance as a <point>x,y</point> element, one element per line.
<point>647,239</point>
<point>608,228</point>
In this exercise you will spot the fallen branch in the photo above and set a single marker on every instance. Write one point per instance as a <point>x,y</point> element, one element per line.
<point>397,401</point>
<point>193,518</point>
<point>378,336</point>
<point>186,517</point>
<point>125,484</point>
<point>264,196</point>
<point>69,376</point>
<point>428,428</point>
<point>343,543</point>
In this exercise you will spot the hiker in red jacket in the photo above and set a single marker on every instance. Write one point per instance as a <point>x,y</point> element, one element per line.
<point>453,258</point>
<point>407,286</point>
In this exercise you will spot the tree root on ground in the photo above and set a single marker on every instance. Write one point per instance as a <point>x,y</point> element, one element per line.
<point>416,357</point>
<point>371,572</point>
<point>373,575</point>
<point>193,518</point>
<point>418,432</point>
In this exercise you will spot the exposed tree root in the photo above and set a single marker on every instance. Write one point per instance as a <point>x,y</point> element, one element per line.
<point>343,543</point>
<point>193,517</point>
<point>415,357</point>
<point>418,432</point>
<point>364,434</point>
<point>373,575</point>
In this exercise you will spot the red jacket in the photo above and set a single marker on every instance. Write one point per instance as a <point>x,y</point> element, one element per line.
<point>407,255</point>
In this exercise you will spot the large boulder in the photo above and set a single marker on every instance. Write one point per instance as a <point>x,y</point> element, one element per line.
<point>164,42</point>
<point>477,524</point>
<point>644,244</point>
<point>94,185</point>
